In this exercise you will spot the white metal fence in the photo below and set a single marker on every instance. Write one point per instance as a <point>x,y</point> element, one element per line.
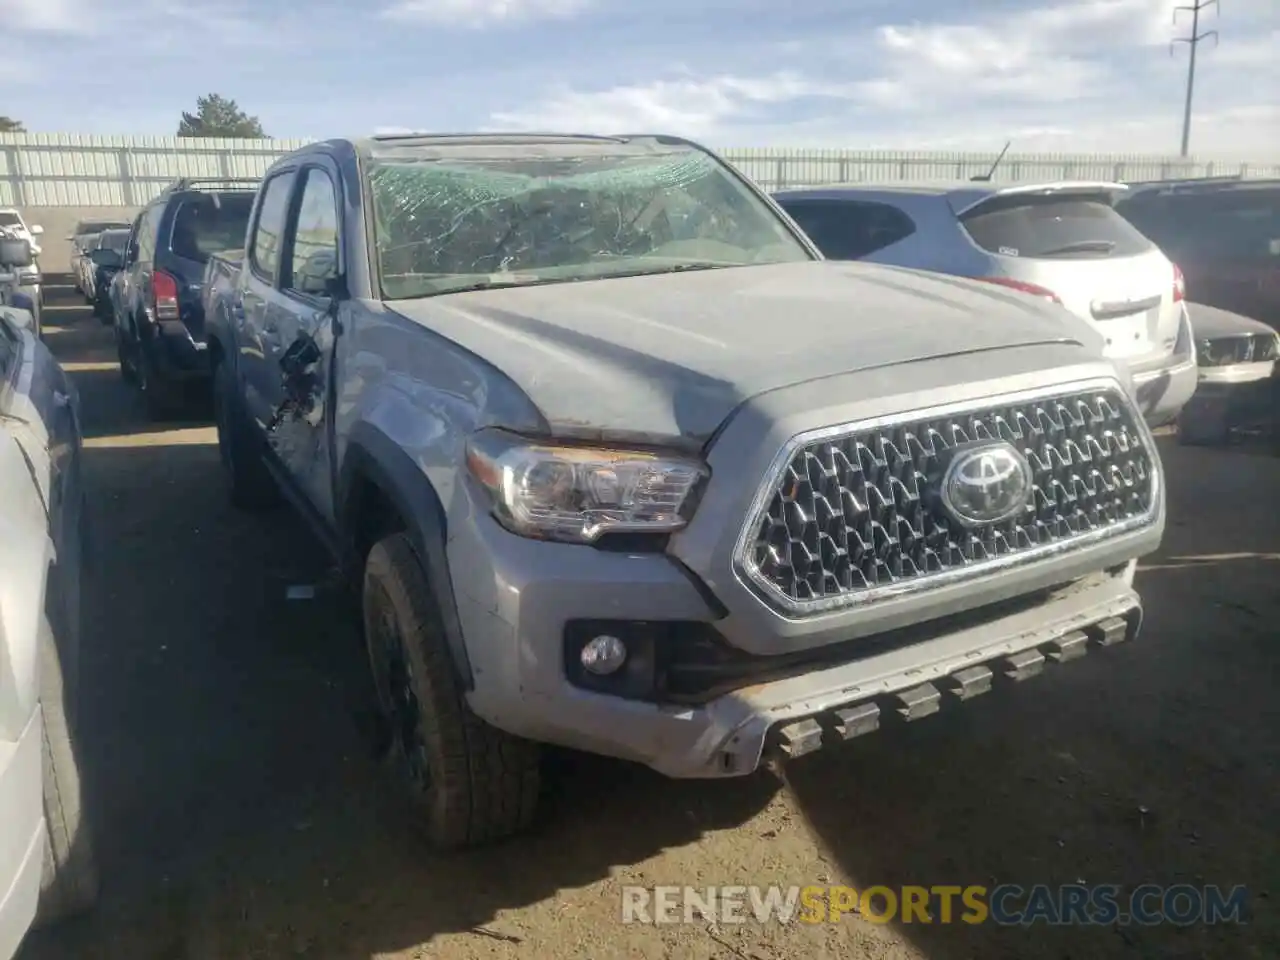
<point>69,170</point>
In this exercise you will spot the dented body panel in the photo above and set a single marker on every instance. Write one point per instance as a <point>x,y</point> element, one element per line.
<point>728,365</point>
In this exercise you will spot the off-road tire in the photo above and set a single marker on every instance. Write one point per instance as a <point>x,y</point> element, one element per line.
<point>484,782</point>
<point>250,485</point>
<point>127,373</point>
<point>70,883</point>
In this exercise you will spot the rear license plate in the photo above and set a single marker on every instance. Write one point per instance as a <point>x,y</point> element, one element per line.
<point>1126,336</point>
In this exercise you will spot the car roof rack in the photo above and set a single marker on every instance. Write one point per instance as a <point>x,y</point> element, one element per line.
<point>212,183</point>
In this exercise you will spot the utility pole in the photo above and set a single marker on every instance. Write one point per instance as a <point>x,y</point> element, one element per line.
<point>1192,41</point>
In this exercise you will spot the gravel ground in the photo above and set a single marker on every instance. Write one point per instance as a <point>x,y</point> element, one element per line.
<point>240,814</point>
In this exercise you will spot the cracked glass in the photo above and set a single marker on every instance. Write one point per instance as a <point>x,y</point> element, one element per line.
<point>447,225</point>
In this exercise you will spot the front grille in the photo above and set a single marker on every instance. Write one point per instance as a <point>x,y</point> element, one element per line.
<point>853,513</point>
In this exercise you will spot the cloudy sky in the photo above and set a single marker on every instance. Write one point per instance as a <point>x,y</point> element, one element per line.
<point>930,74</point>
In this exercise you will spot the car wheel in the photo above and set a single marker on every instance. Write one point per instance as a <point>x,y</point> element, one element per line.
<point>127,372</point>
<point>468,782</point>
<point>159,395</point>
<point>251,486</point>
<point>70,879</point>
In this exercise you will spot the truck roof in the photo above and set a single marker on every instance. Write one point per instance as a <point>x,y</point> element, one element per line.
<point>425,145</point>
<point>1201,185</point>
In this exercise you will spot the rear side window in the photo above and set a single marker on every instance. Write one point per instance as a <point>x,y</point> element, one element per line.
<point>148,228</point>
<point>269,230</point>
<point>8,219</point>
<point>849,229</point>
<point>205,224</point>
<point>1053,227</point>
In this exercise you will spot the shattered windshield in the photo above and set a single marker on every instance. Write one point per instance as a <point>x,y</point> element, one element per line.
<point>446,225</point>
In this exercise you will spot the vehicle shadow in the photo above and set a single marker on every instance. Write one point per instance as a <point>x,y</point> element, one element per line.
<point>239,808</point>
<point>1155,762</point>
<point>228,740</point>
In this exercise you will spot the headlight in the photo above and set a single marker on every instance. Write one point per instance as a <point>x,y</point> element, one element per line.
<point>580,493</point>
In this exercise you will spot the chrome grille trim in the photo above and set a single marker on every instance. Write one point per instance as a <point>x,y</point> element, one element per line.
<point>1129,446</point>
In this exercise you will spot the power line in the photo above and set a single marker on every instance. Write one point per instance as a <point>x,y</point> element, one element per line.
<point>1192,41</point>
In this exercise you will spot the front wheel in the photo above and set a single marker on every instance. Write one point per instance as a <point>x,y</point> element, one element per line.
<point>70,877</point>
<point>127,372</point>
<point>469,782</point>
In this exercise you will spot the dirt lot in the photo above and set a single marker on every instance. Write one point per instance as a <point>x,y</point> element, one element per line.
<point>240,815</point>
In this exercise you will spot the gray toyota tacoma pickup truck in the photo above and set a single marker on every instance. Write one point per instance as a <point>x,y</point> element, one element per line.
<point>620,463</point>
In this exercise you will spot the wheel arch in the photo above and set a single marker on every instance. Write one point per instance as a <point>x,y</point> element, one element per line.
<point>381,491</point>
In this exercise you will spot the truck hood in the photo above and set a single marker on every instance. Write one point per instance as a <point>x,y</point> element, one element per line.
<point>1210,322</point>
<point>667,358</point>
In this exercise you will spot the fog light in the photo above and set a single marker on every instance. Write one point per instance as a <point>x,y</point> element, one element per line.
<point>603,655</point>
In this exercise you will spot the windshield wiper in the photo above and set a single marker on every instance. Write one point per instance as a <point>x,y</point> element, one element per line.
<point>490,285</point>
<point>673,268</point>
<point>1080,246</point>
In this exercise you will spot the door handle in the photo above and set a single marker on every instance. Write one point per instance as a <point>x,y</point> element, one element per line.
<point>61,400</point>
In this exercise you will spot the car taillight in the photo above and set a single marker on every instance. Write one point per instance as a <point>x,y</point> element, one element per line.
<point>1034,289</point>
<point>164,296</point>
<point>1179,285</point>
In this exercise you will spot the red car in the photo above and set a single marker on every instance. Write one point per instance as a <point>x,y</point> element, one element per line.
<point>1223,232</point>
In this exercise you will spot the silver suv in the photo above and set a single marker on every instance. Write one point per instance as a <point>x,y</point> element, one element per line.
<point>618,462</point>
<point>46,858</point>
<point>1062,242</point>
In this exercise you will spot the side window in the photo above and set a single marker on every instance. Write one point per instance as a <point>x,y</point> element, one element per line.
<point>148,227</point>
<point>268,231</point>
<point>850,229</point>
<point>315,235</point>
<point>131,249</point>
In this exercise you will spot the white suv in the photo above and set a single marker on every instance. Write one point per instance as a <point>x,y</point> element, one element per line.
<point>47,866</point>
<point>1061,241</point>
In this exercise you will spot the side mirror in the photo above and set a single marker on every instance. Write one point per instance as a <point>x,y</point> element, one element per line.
<point>35,229</point>
<point>318,273</point>
<point>15,253</point>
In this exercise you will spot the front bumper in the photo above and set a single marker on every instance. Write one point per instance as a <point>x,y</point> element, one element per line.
<point>1243,394</point>
<point>519,600</point>
<point>22,831</point>
<point>521,686</point>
